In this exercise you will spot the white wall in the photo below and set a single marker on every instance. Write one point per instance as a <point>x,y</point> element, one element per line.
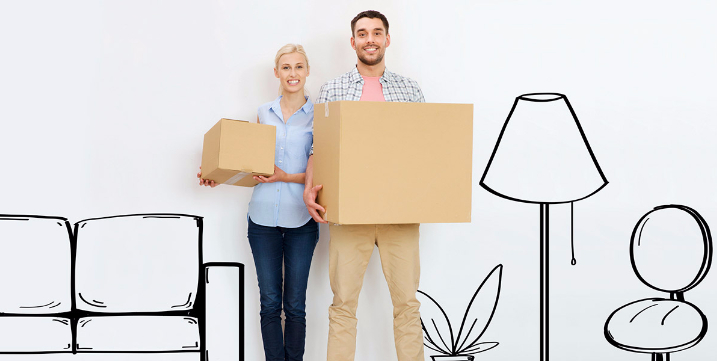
<point>104,105</point>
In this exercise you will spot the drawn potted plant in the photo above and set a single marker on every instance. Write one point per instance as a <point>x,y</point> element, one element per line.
<point>438,332</point>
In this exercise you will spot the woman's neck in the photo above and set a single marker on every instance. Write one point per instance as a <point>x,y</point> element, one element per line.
<point>293,101</point>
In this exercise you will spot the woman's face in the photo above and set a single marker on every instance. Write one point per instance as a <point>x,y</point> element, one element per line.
<point>292,72</point>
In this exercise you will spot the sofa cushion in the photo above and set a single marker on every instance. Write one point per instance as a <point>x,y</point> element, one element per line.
<point>137,334</point>
<point>35,334</point>
<point>35,265</point>
<point>139,263</point>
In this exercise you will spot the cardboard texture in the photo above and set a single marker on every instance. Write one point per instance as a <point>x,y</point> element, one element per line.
<point>236,150</point>
<point>391,163</point>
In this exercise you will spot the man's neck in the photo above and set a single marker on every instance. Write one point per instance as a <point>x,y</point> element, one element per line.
<point>371,70</point>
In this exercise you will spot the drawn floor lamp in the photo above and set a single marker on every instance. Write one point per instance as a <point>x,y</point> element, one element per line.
<point>543,157</point>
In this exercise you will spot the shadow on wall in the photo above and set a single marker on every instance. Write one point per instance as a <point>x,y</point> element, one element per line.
<point>120,284</point>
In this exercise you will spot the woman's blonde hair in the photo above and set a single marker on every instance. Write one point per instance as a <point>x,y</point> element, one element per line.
<point>288,49</point>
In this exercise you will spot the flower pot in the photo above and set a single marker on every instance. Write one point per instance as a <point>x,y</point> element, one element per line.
<point>452,358</point>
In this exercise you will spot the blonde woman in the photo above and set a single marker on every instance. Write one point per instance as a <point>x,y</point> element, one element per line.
<point>281,231</point>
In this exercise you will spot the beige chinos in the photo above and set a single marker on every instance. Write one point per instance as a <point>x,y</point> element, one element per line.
<point>350,248</point>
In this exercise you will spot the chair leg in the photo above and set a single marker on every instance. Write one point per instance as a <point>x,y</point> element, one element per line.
<point>660,357</point>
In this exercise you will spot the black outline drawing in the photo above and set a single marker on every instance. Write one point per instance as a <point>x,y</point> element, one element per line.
<point>661,308</point>
<point>76,317</point>
<point>458,350</point>
<point>544,211</point>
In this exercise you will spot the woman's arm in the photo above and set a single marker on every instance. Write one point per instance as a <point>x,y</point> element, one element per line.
<point>281,176</point>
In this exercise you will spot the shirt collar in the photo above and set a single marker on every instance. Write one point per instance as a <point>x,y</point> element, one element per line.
<point>355,76</point>
<point>307,107</point>
<point>386,77</point>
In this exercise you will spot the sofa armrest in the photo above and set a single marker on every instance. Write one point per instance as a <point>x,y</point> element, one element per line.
<point>223,328</point>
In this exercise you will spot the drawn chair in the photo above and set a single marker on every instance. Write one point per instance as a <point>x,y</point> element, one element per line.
<point>670,251</point>
<point>121,284</point>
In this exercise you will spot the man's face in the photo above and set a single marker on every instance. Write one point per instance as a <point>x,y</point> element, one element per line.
<point>370,40</point>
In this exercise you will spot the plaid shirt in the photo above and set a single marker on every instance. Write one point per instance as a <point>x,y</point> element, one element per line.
<point>350,86</point>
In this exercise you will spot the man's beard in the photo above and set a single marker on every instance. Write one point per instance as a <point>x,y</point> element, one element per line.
<point>368,62</point>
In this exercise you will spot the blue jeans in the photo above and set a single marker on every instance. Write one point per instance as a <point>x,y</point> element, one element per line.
<point>293,248</point>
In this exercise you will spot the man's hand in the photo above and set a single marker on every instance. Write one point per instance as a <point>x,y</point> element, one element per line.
<point>205,182</point>
<point>310,195</point>
<point>278,176</point>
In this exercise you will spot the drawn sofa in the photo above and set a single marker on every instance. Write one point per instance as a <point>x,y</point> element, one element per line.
<point>121,284</point>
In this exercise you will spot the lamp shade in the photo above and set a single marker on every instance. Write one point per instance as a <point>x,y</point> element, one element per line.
<point>542,154</point>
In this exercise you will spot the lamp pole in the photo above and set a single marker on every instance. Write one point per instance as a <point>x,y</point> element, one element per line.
<point>544,284</point>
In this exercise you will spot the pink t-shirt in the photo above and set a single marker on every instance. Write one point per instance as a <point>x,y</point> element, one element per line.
<point>372,89</point>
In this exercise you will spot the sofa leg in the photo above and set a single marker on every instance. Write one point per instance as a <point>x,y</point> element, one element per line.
<point>660,357</point>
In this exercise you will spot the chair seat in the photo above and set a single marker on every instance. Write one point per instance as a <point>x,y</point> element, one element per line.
<point>137,334</point>
<point>35,334</point>
<point>656,325</point>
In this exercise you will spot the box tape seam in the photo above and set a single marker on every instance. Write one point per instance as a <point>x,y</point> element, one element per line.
<point>236,178</point>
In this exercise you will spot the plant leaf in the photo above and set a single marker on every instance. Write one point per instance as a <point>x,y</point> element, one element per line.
<point>480,310</point>
<point>436,326</point>
<point>435,349</point>
<point>480,347</point>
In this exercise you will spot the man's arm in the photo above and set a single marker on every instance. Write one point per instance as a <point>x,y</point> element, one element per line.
<point>323,94</point>
<point>311,192</point>
<point>417,93</point>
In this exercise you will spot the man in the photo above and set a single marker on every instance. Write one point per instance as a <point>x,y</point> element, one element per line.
<point>351,246</point>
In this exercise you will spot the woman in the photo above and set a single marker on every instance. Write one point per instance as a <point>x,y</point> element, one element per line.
<point>281,231</point>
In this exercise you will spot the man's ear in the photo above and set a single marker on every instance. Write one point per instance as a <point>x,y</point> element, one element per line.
<point>388,40</point>
<point>353,43</point>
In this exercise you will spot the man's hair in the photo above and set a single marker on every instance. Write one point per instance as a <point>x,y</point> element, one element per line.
<point>371,14</point>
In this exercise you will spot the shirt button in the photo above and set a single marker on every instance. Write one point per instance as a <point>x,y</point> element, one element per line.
<point>282,148</point>
<point>280,161</point>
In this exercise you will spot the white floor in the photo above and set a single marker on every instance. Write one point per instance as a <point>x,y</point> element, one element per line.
<point>102,357</point>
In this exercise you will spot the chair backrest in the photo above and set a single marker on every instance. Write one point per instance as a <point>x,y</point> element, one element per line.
<point>137,263</point>
<point>671,248</point>
<point>35,265</point>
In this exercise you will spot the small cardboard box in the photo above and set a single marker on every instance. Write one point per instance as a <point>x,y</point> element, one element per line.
<point>236,150</point>
<point>390,163</point>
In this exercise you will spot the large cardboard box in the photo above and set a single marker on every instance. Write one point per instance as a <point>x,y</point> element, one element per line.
<point>236,150</point>
<point>390,163</point>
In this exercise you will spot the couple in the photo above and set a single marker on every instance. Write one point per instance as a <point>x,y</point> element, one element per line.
<point>283,214</point>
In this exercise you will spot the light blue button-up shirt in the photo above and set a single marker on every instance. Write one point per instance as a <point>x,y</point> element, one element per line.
<point>281,204</point>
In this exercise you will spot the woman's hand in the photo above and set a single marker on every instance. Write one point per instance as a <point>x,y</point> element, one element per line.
<point>278,176</point>
<point>205,182</point>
